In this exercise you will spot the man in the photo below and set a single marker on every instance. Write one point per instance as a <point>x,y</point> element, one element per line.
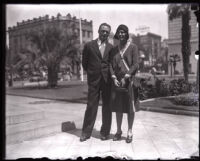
<point>96,59</point>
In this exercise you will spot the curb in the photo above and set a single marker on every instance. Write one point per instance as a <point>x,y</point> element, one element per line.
<point>151,109</point>
<point>176,112</point>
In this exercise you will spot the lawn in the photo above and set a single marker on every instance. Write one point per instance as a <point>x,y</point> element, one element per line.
<point>168,103</point>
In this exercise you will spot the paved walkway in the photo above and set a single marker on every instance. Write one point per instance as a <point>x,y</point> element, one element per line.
<point>156,135</point>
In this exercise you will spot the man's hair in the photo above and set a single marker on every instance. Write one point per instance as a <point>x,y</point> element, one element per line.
<point>104,24</point>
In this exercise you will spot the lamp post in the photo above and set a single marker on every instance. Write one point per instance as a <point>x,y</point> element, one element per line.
<point>81,42</point>
<point>142,57</point>
<point>174,58</point>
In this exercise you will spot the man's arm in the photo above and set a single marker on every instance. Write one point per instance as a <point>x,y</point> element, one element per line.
<point>110,60</point>
<point>85,57</point>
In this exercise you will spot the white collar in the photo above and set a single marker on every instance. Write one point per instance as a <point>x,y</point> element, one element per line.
<point>100,43</point>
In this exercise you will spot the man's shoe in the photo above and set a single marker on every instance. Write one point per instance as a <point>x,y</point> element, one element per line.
<point>84,138</point>
<point>104,137</point>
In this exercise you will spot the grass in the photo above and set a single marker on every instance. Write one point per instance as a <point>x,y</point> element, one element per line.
<point>169,103</point>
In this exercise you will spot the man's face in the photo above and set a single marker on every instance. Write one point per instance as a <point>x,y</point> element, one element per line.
<point>104,32</point>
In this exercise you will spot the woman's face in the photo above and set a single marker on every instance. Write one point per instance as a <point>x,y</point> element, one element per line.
<point>122,35</point>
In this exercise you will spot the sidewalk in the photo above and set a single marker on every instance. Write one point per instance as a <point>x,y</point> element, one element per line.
<point>156,135</point>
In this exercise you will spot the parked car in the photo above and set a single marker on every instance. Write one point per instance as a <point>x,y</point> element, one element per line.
<point>36,78</point>
<point>16,77</point>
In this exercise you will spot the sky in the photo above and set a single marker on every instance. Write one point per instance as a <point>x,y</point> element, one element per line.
<point>134,16</point>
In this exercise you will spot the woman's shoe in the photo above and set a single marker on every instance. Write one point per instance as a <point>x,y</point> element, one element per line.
<point>117,136</point>
<point>129,138</point>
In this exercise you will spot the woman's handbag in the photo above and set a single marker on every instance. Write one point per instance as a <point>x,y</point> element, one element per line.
<point>123,88</point>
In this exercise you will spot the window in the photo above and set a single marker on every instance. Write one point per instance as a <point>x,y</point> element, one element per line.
<point>88,34</point>
<point>83,33</point>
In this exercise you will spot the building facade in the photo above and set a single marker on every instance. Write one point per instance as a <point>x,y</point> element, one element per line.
<point>149,46</point>
<point>17,34</point>
<point>175,40</point>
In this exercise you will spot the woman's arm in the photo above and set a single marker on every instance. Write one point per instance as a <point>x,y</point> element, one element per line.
<point>135,62</point>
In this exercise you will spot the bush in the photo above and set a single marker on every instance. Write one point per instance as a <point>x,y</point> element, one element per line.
<point>147,90</point>
<point>191,99</point>
<point>179,86</point>
<point>162,88</point>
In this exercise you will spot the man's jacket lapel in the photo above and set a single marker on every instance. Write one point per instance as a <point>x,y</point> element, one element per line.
<point>96,48</point>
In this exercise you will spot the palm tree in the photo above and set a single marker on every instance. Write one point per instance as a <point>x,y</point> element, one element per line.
<point>25,58</point>
<point>50,45</point>
<point>183,11</point>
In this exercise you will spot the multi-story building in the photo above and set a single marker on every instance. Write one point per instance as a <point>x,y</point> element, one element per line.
<point>175,40</point>
<point>17,34</point>
<point>149,46</point>
<point>164,55</point>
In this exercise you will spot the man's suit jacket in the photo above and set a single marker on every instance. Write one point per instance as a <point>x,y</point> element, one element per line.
<point>94,64</point>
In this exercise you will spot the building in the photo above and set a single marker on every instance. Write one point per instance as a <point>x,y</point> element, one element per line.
<point>174,42</point>
<point>17,34</point>
<point>149,46</point>
<point>164,55</point>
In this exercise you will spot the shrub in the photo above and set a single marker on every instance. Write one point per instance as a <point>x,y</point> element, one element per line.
<point>162,87</point>
<point>147,90</point>
<point>179,86</point>
<point>191,99</point>
<point>194,87</point>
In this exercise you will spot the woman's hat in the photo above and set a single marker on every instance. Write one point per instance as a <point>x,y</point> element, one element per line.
<point>121,27</point>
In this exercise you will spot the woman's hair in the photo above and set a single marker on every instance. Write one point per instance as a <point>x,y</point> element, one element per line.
<point>124,28</point>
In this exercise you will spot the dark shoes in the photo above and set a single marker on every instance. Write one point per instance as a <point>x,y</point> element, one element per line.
<point>129,139</point>
<point>104,137</point>
<point>84,138</point>
<point>117,136</point>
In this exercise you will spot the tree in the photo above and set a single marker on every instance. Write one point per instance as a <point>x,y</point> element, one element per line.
<point>183,11</point>
<point>25,58</point>
<point>50,44</point>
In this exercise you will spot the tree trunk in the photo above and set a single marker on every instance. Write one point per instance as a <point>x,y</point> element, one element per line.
<point>10,80</point>
<point>52,75</point>
<point>186,43</point>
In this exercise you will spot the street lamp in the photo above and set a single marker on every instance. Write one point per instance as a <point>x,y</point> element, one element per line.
<point>142,57</point>
<point>173,60</point>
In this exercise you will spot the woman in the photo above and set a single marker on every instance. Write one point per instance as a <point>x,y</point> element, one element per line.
<point>124,65</point>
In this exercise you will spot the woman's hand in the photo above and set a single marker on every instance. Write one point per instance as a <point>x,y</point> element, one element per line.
<point>123,82</point>
<point>116,82</point>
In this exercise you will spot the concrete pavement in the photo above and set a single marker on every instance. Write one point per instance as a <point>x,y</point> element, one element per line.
<point>155,135</point>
